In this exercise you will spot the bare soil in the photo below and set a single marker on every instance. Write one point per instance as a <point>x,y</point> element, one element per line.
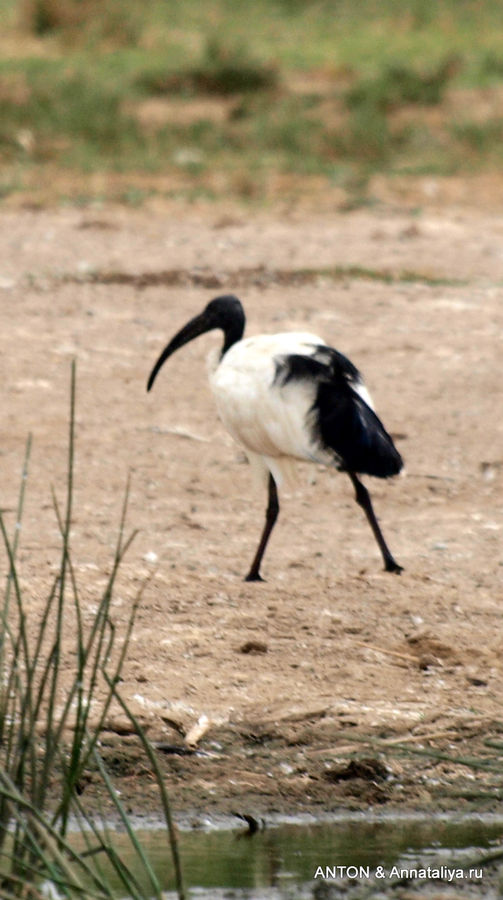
<point>330,656</point>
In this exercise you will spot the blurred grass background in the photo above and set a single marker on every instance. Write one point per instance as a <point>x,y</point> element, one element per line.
<point>119,100</point>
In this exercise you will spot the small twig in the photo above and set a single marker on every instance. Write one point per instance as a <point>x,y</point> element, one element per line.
<point>181,432</point>
<point>430,477</point>
<point>406,656</point>
<point>490,742</point>
<point>493,793</point>
<point>197,731</point>
<point>387,742</point>
<point>412,738</point>
<point>483,764</point>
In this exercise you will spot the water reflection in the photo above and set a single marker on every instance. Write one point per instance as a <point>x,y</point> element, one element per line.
<point>278,860</point>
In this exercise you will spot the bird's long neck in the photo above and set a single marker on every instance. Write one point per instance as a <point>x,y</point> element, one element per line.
<point>233,329</point>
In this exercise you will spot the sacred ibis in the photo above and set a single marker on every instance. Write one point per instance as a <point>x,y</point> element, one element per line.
<point>289,396</point>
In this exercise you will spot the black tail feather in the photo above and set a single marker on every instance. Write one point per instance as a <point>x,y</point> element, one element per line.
<point>349,427</point>
<point>341,420</point>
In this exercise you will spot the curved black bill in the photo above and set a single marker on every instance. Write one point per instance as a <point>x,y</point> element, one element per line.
<point>198,325</point>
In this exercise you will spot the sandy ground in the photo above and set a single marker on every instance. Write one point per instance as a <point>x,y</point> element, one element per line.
<point>341,652</point>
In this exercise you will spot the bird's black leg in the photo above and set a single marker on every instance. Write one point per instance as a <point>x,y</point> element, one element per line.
<point>362,497</point>
<point>271,514</point>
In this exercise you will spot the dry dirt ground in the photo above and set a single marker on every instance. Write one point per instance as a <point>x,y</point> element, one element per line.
<point>340,652</point>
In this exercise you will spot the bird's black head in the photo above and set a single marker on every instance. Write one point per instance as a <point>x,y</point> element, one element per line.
<point>225,312</point>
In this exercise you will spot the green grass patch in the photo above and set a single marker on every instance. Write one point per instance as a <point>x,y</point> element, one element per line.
<point>47,113</point>
<point>481,140</point>
<point>224,69</point>
<point>84,21</point>
<point>305,89</point>
<point>402,85</point>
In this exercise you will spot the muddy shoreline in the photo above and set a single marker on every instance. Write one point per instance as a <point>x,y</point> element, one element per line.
<point>353,661</point>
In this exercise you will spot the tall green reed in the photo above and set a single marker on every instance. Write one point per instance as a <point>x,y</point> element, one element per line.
<point>50,725</point>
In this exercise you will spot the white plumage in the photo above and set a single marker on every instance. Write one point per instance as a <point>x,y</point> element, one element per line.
<point>267,418</point>
<point>287,397</point>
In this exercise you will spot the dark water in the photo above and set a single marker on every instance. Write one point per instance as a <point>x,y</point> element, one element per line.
<point>291,860</point>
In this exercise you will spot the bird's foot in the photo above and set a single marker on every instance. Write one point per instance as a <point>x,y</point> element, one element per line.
<point>392,566</point>
<point>254,576</point>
